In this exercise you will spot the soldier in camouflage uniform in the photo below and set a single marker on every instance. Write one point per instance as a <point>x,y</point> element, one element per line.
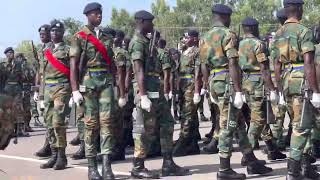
<point>295,52</point>
<point>56,95</point>
<point>187,143</point>
<point>151,101</point>
<point>95,48</point>
<point>44,32</point>
<point>254,63</point>
<point>219,56</point>
<point>175,63</point>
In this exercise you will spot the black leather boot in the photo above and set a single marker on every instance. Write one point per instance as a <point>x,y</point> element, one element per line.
<point>256,167</point>
<point>273,152</point>
<point>307,170</point>
<point>140,172</point>
<point>52,160</point>
<point>80,154</point>
<point>226,173</point>
<point>75,141</point>
<point>107,173</point>
<point>118,153</point>
<point>316,149</point>
<point>170,168</point>
<point>45,151</point>
<point>93,173</point>
<point>212,147</point>
<point>180,148</point>
<point>61,160</point>
<point>294,169</point>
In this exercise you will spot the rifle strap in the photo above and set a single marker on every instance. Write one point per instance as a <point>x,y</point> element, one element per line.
<point>56,63</point>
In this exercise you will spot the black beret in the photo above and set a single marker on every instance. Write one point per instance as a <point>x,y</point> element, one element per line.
<point>144,15</point>
<point>292,2</point>
<point>120,33</point>
<point>249,21</point>
<point>193,33</point>
<point>56,24</point>
<point>92,6</point>
<point>8,49</point>
<point>221,9</point>
<point>281,14</point>
<point>45,27</point>
<point>109,31</point>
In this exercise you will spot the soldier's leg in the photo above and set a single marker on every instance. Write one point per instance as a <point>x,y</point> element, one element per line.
<point>315,137</point>
<point>201,111</point>
<point>212,146</point>
<point>34,112</point>
<point>27,109</point>
<point>80,154</point>
<point>128,116</point>
<point>277,129</point>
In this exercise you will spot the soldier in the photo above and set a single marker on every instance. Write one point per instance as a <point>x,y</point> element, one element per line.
<point>92,50</point>
<point>218,53</point>
<point>296,54</point>
<point>151,101</point>
<point>56,95</point>
<point>187,143</point>
<point>175,63</point>
<point>44,32</point>
<point>254,63</point>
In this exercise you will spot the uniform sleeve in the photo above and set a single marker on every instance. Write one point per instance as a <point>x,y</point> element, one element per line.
<point>261,52</point>
<point>120,59</point>
<point>204,51</point>
<point>165,60</point>
<point>136,52</point>
<point>307,43</point>
<point>75,48</point>
<point>230,43</point>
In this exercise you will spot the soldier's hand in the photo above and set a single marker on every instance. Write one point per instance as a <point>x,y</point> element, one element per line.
<point>203,92</point>
<point>71,102</point>
<point>42,107</point>
<point>196,98</point>
<point>282,102</point>
<point>77,97</point>
<point>170,95</point>
<point>166,96</point>
<point>36,96</point>
<point>122,102</point>
<point>316,100</point>
<point>146,103</point>
<point>274,96</point>
<point>238,100</point>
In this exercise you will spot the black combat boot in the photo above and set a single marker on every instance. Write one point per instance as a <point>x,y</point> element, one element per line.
<point>294,169</point>
<point>245,160</point>
<point>273,152</point>
<point>75,141</point>
<point>107,173</point>
<point>118,153</point>
<point>80,154</point>
<point>53,159</point>
<point>193,148</point>
<point>169,167</point>
<point>45,151</point>
<point>93,173</point>
<point>180,148</point>
<point>212,147</point>
<point>316,149</point>
<point>140,172</point>
<point>61,160</point>
<point>225,171</point>
<point>308,171</point>
<point>256,167</point>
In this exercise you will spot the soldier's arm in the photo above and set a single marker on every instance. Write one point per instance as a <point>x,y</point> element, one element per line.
<point>166,68</point>
<point>198,76</point>
<point>128,79</point>
<point>310,71</point>
<point>139,72</point>
<point>121,71</point>
<point>277,74</point>
<point>137,57</point>
<point>261,54</point>
<point>203,58</point>
<point>234,69</point>
<point>75,51</point>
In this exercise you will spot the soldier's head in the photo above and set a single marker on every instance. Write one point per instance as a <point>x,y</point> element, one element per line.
<point>281,16</point>
<point>293,8</point>
<point>56,31</point>
<point>118,39</point>
<point>9,52</point>
<point>250,26</point>
<point>222,13</point>
<point>144,22</point>
<point>174,54</point>
<point>93,11</point>
<point>44,32</point>
<point>192,38</point>
<point>162,43</point>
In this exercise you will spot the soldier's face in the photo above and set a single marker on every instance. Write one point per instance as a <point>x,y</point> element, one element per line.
<point>175,56</point>
<point>10,55</point>
<point>95,17</point>
<point>44,36</point>
<point>148,26</point>
<point>56,34</point>
<point>118,40</point>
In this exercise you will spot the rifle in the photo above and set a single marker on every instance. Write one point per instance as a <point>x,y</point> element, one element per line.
<point>152,44</point>
<point>306,113</point>
<point>268,113</point>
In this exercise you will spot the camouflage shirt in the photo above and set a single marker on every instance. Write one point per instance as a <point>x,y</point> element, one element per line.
<point>12,71</point>
<point>189,60</point>
<point>217,46</point>
<point>120,56</point>
<point>252,51</point>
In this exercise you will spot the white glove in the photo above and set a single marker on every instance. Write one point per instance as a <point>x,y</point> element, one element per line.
<point>315,100</point>
<point>203,92</point>
<point>177,97</point>
<point>281,100</point>
<point>273,96</point>
<point>41,103</point>
<point>122,102</point>
<point>238,100</point>
<point>244,99</point>
<point>166,96</point>
<point>77,97</point>
<point>146,103</point>
<point>36,96</point>
<point>213,100</point>
<point>71,102</point>
<point>196,98</point>
<point>170,95</point>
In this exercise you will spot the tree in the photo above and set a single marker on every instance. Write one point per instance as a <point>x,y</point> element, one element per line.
<point>122,20</point>
<point>72,26</point>
<point>25,47</point>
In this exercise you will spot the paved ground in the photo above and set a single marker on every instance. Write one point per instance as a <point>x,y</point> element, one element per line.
<point>18,163</point>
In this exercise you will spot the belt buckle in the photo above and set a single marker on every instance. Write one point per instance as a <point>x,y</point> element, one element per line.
<point>153,95</point>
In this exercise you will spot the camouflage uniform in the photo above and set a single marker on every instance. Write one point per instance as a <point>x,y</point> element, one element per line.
<point>160,111</point>
<point>252,52</point>
<point>7,112</point>
<point>216,48</point>
<point>175,74</point>
<point>300,42</point>
<point>99,95</point>
<point>56,96</point>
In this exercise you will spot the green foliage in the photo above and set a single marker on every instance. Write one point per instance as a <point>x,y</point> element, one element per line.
<point>122,20</point>
<point>25,48</point>
<point>72,26</point>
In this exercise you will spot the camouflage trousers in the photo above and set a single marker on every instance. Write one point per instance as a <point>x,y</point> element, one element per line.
<point>214,108</point>
<point>99,114</point>
<point>56,98</point>
<point>15,91</point>
<point>80,121</point>
<point>277,129</point>
<point>27,105</point>
<point>7,113</point>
